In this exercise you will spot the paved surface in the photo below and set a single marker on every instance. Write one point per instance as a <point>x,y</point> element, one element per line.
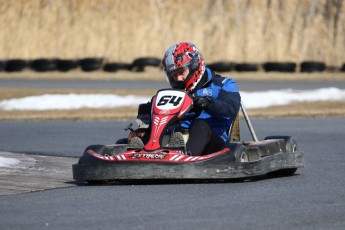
<point>35,173</point>
<point>87,84</point>
<point>312,199</point>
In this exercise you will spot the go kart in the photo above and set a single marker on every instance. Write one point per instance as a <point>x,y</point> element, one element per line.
<point>159,159</point>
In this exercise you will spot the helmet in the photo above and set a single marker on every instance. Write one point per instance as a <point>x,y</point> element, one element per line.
<point>187,56</point>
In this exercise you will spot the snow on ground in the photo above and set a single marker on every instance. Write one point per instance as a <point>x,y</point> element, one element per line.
<point>8,162</point>
<point>71,101</point>
<point>250,99</point>
<point>288,96</point>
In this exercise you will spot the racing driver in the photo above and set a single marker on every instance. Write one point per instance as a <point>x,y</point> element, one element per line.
<point>216,100</point>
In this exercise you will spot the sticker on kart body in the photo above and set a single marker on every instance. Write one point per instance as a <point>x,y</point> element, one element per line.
<point>168,99</point>
<point>149,156</point>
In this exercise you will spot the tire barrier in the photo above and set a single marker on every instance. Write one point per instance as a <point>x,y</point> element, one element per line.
<point>288,67</point>
<point>3,64</point>
<point>246,67</point>
<point>113,66</point>
<point>65,65</point>
<point>44,65</point>
<point>342,69</point>
<point>139,64</point>
<point>312,66</point>
<point>221,66</point>
<point>16,65</point>
<point>110,67</point>
<point>332,69</point>
<point>123,66</point>
<point>90,64</point>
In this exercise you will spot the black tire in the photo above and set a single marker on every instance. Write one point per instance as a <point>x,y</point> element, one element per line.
<point>44,65</point>
<point>138,68</point>
<point>123,66</point>
<point>342,69</point>
<point>312,66</point>
<point>239,152</point>
<point>87,159</point>
<point>139,64</point>
<point>110,67</point>
<point>16,65</point>
<point>3,65</point>
<point>147,61</point>
<point>122,141</point>
<point>288,67</point>
<point>246,67</point>
<point>221,66</point>
<point>90,64</point>
<point>113,66</point>
<point>291,146</point>
<point>96,182</point>
<point>65,65</point>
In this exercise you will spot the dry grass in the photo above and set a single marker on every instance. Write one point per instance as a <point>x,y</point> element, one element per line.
<point>323,109</point>
<point>155,74</point>
<point>248,31</point>
<point>310,109</point>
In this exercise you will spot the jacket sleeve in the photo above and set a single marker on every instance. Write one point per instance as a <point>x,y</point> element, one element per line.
<point>228,101</point>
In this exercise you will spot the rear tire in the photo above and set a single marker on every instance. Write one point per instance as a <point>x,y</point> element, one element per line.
<point>96,182</point>
<point>239,154</point>
<point>291,146</point>
<point>122,141</point>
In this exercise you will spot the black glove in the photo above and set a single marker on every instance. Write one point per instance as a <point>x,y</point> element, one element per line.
<point>202,102</point>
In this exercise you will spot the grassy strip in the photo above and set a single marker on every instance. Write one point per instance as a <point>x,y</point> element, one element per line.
<point>315,109</point>
<point>155,74</point>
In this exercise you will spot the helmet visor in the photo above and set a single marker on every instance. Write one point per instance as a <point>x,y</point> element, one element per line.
<point>173,77</point>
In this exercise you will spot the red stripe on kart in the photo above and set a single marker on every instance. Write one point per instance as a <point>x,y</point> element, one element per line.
<point>158,156</point>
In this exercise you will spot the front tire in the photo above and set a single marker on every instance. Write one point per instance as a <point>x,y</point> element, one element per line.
<point>291,146</point>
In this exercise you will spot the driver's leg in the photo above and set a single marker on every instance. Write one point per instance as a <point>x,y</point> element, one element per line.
<point>203,139</point>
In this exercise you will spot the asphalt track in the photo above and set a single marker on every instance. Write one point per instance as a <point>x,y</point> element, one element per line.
<point>102,84</point>
<point>312,199</point>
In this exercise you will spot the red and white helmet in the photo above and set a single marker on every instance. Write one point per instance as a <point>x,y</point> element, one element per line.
<point>184,55</point>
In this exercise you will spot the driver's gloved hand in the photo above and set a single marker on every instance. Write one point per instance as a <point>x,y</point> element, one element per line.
<point>202,102</point>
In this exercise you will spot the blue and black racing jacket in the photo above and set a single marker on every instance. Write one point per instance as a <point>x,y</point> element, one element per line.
<point>225,105</point>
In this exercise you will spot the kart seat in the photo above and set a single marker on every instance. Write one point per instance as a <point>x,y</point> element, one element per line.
<point>234,130</point>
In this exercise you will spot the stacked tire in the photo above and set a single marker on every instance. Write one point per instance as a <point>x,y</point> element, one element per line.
<point>342,69</point>
<point>139,64</point>
<point>16,65</point>
<point>115,66</point>
<point>287,67</point>
<point>64,65</point>
<point>90,64</point>
<point>246,67</point>
<point>3,64</point>
<point>312,66</point>
<point>44,65</point>
<point>221,66</point>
